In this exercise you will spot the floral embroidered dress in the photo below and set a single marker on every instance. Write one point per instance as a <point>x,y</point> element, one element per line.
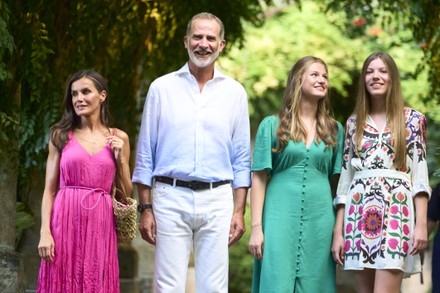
<point>379,211</point>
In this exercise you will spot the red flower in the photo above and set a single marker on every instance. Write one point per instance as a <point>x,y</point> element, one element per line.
<point>349,228</point>
<point>372,220</point>
<point>360,21</point>
<point>406,230</point>
<point>405,246</point>
<point>393,243</point>
<point>356,196</point>
<point>405,211</point>
<point>374,31</point>
<point>351,210</point>
<point>347,245</point>
<point>400,196</point>
<point>394,224</point>
<point>361,226</point>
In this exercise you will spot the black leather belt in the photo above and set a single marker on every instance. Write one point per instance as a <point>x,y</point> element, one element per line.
<point>194,185</point>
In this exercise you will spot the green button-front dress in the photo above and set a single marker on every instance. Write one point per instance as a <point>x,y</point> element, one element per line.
<point>298,214</point>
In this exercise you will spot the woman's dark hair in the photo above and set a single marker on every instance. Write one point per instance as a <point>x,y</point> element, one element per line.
<point>70,120</point>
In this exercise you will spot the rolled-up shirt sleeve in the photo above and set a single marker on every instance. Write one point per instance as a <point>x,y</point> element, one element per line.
<point>241,160</point>
<point>147,140</point>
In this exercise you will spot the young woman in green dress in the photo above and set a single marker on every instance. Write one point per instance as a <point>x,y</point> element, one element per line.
<point>297,154</point>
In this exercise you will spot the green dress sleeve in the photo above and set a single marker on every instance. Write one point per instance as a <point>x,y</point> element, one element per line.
<point>265,141</point>
<point>337,156</point>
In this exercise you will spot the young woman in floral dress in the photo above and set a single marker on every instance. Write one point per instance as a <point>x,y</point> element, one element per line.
<point>381,225</point>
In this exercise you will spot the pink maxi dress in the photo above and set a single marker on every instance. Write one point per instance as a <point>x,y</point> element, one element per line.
<point>82,225</point>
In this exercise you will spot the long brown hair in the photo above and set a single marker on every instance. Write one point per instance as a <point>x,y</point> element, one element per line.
<point>291,126</point>
<point>394,108</point>
<point>70,120</point>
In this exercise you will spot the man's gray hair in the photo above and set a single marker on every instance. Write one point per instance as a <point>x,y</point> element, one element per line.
<point>206,15</point>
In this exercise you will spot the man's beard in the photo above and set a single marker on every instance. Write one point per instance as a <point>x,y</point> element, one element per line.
<point>202,62</point>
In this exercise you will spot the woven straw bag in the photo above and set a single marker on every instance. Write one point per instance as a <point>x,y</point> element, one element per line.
<point>125,213</point>
<point>125,218</point>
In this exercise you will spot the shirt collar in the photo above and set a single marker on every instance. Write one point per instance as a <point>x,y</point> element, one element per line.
<point>185,70</point>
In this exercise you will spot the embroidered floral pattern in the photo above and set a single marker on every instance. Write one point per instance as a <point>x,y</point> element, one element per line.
<point>372,222</point>
<point>379,211</point>
<point>354,227</point>
<point>399,232</point>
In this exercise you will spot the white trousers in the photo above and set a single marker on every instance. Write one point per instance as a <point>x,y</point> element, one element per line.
<point>200,218</point>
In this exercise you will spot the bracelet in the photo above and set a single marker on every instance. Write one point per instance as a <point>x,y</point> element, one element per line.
<point>255,225</point>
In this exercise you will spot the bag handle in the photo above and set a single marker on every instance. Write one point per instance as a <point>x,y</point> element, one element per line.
<point>116,192</point>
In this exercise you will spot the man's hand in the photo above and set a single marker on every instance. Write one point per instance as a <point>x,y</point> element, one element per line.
<point>237,228</point>
<point>147,226</point>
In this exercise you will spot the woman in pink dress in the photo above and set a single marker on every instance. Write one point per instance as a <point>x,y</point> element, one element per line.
<point>78,241</point>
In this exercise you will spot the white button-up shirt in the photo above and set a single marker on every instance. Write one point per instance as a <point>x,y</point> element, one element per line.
<point>192,135</point>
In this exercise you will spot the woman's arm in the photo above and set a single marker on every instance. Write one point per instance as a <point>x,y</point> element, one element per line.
<point>420,237</point>
<point>46,245</point>
<point>258,190</point>
<point>338,249</point>
<point>120,145</point>
<point>421,188</point>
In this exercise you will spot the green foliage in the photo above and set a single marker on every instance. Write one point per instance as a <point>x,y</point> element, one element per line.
<point>420,16</point>
<point>6,123</point>
<point>263,62</point>
<point>129,42</point>
<point>6,46</point>
<point>241,262</point>
<point>433,151</point>
<point>268,53</point>
<point>23,220</point>
<point>262,65</point>
<point>8,116</point>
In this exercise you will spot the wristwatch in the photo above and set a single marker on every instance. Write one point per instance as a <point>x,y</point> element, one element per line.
<point>143,207</point>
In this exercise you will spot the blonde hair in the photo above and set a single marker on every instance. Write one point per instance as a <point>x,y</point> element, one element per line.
<point>291,126</point>
<point>394,108</point>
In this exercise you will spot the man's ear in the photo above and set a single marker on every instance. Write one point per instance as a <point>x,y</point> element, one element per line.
<point>222,45</point>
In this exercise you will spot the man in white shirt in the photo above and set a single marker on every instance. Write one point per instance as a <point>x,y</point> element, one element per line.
<point>193,164</point>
